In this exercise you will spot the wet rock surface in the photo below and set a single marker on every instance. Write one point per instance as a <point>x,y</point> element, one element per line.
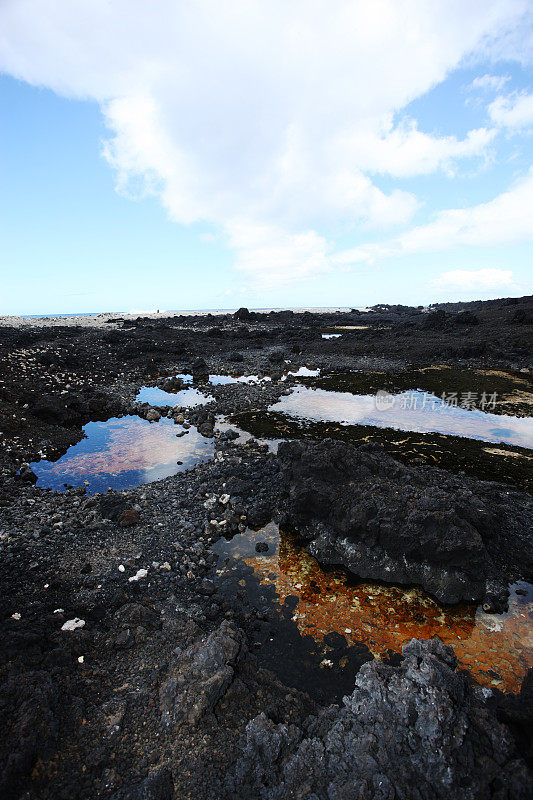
<point>459,539</point>
<point>107,599</point>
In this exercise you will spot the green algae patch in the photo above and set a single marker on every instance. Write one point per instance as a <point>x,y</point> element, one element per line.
<point>507,392</point>
<point>501,462</point>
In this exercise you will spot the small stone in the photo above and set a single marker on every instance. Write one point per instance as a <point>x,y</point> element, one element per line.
<point>207,587</point>
<point>129,517</point>
<point>141,573</point>
<point>73,624</point>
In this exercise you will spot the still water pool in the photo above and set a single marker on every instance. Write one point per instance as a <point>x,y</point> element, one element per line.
<point>125,452</point>
<point>415,411</point>
<point>187,398</point>
<point>497,649</point>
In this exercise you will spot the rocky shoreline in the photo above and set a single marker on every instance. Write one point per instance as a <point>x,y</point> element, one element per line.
<point>127,673</point>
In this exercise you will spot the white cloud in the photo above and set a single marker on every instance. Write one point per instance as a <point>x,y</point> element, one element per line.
<point>271,257</point>
<point>515,43</point>
<point>489,83</point>
<point>475,280</point>
<point>506,219</point>
<point>513,111</point>
<point>404,151</point>
<point>262,119</point>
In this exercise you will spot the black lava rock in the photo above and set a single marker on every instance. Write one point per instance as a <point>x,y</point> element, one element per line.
<point>417,730</point>
<point>359,507</point>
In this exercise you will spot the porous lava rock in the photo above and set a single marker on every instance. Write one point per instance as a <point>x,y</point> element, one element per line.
<point>200,676</point>
<point>420,730</point>
<point>461,540</point>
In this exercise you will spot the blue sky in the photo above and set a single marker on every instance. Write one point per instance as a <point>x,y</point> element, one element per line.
<point>267,156</point>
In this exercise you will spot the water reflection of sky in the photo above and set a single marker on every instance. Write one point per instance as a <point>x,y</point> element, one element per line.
<point>302,372</point>
<point>191,396</point>
<point>244,436</point>
<point>221,380</point>
<point>410,411</point>
<point>188,398</point>
<point>125,452</point>
<point>498,649</point>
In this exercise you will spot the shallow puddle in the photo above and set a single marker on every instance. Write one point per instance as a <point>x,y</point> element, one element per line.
<point>496,649</point>
<point>125,452</point>
<point>498,391</point>
<point>243,436</point>
<point>414,411</point>
<point>187,398</point>
<point>301,372</point>
<point>331,335</point>
<point>190,396</point>
<point>217,379</point>
<point>224,380</point>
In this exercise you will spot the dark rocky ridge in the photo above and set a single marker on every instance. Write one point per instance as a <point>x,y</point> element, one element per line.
<point>417,730</point>
<point>458,538</point>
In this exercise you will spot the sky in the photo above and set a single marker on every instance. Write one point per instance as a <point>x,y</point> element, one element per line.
<point>192,154</point>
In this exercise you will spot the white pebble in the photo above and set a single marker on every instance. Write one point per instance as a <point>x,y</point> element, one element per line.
<point>141,573</point>
<point>73,624</point>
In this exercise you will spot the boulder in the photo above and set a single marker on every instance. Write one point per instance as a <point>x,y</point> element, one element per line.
<point>112,506</point>
<point>200,676</point>
<point>199,367</point>
<point>242,313</point>
<point>28,706</point>
<point>129,517</point>
<point>276,357</point>
<point>358,507</point>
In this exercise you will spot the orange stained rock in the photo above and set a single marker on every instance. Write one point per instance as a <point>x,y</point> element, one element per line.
<point>387,617</point>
